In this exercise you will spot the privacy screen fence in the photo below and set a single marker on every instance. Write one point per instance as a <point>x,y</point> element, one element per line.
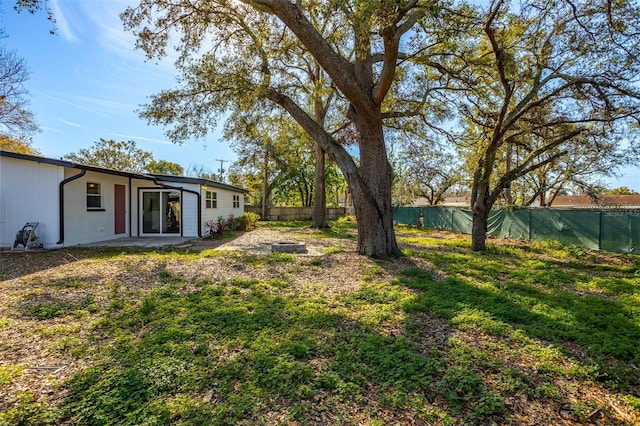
<point>608,230</point>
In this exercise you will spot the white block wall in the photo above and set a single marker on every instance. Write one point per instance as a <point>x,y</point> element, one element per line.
<point>190,212</point>
<point>83,226</point>
<point>29,193</point>
<point>225,207</point>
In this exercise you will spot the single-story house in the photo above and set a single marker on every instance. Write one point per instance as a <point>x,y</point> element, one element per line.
<point>607,201</point>
<point>463,201</point>
<point>79,204</point>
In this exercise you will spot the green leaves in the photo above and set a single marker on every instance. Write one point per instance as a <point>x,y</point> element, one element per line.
<point>123,155</point>
<point>163,167</point>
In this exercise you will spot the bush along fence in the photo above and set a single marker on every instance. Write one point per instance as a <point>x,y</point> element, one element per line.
<point>295,213</point>
<point>608,230</point>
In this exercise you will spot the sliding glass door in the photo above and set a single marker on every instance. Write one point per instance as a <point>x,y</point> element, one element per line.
<point>160,212</point>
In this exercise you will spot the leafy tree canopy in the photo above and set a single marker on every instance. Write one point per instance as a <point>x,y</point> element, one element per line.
<point>123,155</point>
<point>540,82</point>
<point>20,147</point>
<point>202,171</point>
<point>623,190</point>
<point>164,167</point>
<point>33,7</point>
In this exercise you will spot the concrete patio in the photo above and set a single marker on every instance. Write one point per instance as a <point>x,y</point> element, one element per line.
<point>146,242</point>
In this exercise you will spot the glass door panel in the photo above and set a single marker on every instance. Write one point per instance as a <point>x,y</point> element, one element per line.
<point>150,212</point>
<point>161,212</point>
<point>171,203</point>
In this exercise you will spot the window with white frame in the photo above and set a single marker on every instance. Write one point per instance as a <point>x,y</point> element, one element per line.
<point>211,200</point>
<point>236,201</point>
<point>94,196</point>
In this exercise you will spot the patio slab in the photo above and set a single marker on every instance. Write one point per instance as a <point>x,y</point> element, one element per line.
<point>146,242</point>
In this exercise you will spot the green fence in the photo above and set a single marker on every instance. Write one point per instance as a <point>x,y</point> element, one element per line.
<point>610,230</point>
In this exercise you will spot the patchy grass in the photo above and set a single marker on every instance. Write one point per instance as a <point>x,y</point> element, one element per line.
<point>285,224</point>
<point>343,228</point>
<point>521,334</point>
<point>8,373</point>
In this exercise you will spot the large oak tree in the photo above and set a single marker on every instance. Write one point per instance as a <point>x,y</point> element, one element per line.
<point>542,80</point>
<point>275,159</point>
<point>233,53</point>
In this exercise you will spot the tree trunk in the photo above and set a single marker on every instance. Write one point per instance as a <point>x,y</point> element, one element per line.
<point>370,183</point>
<point>265,185</point>
<point>482,198</point>
<point>480,213</point>
<point>543,199</point>
<point>508,196</point>
<point>371,192</point>
<point>319,218</point>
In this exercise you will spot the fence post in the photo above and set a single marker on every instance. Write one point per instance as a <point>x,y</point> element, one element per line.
<point>600,231</point>
<point>452,213</point>
<point>530,210</point>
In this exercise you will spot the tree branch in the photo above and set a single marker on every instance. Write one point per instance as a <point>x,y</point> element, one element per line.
<point>340,70</point>
<point>315,130</point>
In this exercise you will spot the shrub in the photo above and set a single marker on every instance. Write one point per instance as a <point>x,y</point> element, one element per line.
<point>216,226</point>
<point>212,224</point>
<point>347,219</point>
<point>27,411</point>
<point>231,223</point>
<point>247,221</point>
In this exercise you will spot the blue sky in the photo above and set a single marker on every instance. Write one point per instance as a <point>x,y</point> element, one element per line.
<point>87,82</point>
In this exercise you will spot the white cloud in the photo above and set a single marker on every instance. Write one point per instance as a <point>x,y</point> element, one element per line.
<point>104,16</point>
<point>63,25</point>
<point>51,129</point>
<point>142,138</point>
<point>62,98</point>
<point>71,123</point>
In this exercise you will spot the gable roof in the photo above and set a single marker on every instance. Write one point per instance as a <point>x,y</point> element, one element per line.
<point>134,175</point>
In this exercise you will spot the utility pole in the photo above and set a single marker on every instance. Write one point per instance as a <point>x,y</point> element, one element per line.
<point>221,169</point>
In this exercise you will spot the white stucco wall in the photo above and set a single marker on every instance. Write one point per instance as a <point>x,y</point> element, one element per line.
<point>190,211</point>
<point>136,221</point>
<point>188,205</point>
<point>83,225</point>
<point>29,193</point>
<point>225,206</point>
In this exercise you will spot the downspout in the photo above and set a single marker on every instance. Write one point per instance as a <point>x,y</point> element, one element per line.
<point>61,201</point>
<point>130,208</point>
<point>162,185</point>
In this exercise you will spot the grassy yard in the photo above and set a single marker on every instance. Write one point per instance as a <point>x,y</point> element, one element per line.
<point>523,334</point>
